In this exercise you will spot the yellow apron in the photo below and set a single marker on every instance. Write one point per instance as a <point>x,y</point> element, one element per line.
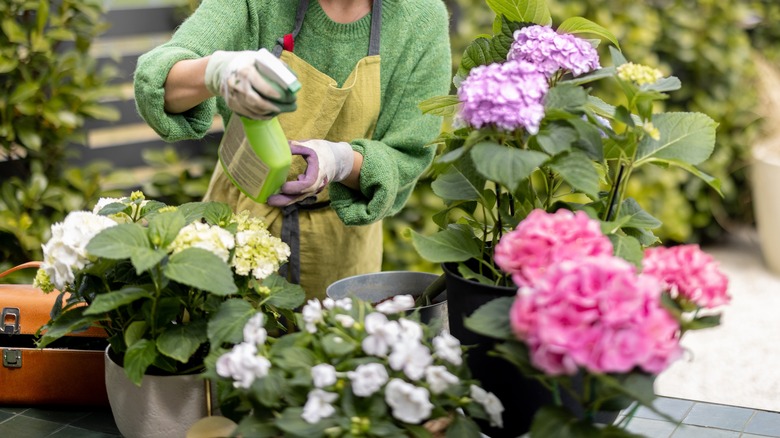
<point>326,249</point>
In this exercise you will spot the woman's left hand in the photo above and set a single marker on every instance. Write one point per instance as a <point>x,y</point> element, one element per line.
<point>326,162</point>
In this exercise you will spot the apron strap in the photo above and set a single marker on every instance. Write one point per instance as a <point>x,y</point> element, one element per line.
<point>376,27</point>
<point>287,42</point>
<point>291,235</point>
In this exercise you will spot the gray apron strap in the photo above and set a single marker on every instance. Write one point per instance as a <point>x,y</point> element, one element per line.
<point>291,230</point>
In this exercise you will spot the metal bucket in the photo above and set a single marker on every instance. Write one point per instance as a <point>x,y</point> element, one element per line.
<point>379,286</point>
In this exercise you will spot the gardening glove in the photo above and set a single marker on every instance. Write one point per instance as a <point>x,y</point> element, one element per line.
<point>235,77</point>
<point>326,162</point>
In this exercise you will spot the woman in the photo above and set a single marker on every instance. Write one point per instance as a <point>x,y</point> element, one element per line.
<point>357,131</point>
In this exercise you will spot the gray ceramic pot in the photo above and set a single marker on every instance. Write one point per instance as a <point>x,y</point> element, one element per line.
<point>379,286</point>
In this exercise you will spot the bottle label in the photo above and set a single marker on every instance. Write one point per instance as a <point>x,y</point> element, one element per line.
<point>244,167</point>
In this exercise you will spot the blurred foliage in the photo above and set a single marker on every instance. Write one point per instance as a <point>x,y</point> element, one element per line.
<point>49,86</point>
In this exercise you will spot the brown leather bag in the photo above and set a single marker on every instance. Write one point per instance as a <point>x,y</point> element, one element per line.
<point>71,372</point>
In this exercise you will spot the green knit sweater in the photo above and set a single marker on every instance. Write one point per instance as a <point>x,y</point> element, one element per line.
<point>415,65</point>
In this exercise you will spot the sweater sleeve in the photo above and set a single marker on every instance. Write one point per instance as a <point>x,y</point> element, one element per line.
<point>204,32</point>
<point>398,155</point>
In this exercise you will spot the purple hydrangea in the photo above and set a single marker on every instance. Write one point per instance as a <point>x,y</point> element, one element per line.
<point>550,51</point>
<point>508,96</point>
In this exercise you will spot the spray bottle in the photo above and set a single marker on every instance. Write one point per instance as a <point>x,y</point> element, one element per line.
<point>259,163</point>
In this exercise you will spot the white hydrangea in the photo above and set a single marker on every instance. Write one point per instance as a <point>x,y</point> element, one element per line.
<point>491,403</point>
<point>323,375</point>
<point>312,315</point>
<point>345,320</point>
<point>411,357</point>
<point>410,404</point>
<point>254,330</point>
<point>382,334</point>
<point>318,406</point>
<point>397,304</point>
<point>368,379</point>
<point>66,249</point>
<point>259,253</point>
<point>447,347</point>
<point>243,365</point>
<point>439,378</point>
<point>212,238</point>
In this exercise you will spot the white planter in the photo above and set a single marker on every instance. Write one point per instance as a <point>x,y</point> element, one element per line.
<point>162,407</point>
<point>765,184</point>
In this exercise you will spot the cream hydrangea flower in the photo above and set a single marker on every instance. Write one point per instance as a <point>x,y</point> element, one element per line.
<point>257,251</point>
<point>212,238</point>
<point>639,74</point>
<point>66,249</point>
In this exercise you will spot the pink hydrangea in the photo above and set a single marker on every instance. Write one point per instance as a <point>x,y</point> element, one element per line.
<point>689,272</point>
<point>595,313</point>
<point>550,51</point>
<point>543,239</point>
<point>508,96</point>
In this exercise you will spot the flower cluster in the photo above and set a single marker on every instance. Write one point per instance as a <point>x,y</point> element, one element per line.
<point>355,357</point>
<point>257,251</point>
<point>508,96</point>
<point>552,52</point>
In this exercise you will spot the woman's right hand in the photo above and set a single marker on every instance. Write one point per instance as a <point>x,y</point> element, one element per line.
<point>235,77</point>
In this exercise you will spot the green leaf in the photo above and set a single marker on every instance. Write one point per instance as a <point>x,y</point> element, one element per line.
<point>602,73</point>
<point>449,245</point>
<point>227,325</point>
<point>101,112</point>
<point>567,97</point>
<point>462,426</point>
<point>632,215</point>
<point>502,41</point>
<point>295,357</point>
<point>291,422</point>
<point>113,300</point>
<point>445,106</point>
<point>581,25</point>
<point>269,389</point>
<point>7,64</point>
<point>144,259</point>
<point>702,322</point>
<point>23,91</point>
<point>256,428</point>
<point>627,248</point>
<point>164,227</point>
<point>217,213</point>
<point>138,358</point>
<point>578,170</point>
<point>476,53</point>
<point>202,270</point>
<point>135,332</point>
<point>685,137</point>
<point>180,342</point>
<point>504,165</point>
<point>492,319</point>
<point>670,83</point>
<point>29,137</point>
<point>336,346</point>
<point>457,185</point>
<point>13,31</point>
<point>556,137</point>
<point>528,11</point>
<point>284,295</point>
<point>711,181</point>
<point>118,242</point>
<point>67,322</point>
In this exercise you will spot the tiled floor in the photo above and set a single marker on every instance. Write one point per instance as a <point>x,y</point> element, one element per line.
<point>691,420</point>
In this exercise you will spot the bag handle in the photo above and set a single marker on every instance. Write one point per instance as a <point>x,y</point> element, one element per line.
<point>22,266</point>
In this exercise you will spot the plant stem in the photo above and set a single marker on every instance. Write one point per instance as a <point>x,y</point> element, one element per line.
<point>614,194</point>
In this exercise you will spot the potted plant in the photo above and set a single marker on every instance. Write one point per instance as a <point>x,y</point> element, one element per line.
<point>166,283</point>
<point>529,134</point>
<point>591,326</point>
<point>353,369</point>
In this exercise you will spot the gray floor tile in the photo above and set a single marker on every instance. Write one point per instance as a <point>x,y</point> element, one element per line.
<point>100,420</point>
<point>57,414</point>
<point>750,435</point>
<point>675,408</point>
<point>764,423</point>
<point>718,416</point>
<point>689,431</point>
<point>651,428</point>
<point>5,415</point>
<point>27,427</point>
<point>75,432</point>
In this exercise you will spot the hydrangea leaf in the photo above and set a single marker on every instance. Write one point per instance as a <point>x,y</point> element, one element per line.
<point>138,357</point>
<point>578,171</point>
<point>477,53</point>
<point>450,245</point>
<point>632,215</point>
<point>227,325</point>
<point>685,137</point>
<point>556,137</point>
<point>144,259</point>
<point>581,25</point>
<point>711,181</point>
<point>530,11</point>
<point>492,319</point>
<point>113,300</point>
<point>181,341</point>
<point>269,389</point>
<point>456,185</point>
<point>201,269</point>
<point>627,248</point>
<point>284,295</point>
<point>164,227</point>
<point>507,166</point>
<point>67,322</point>
<point>445,106</point>
<point>118,242</point>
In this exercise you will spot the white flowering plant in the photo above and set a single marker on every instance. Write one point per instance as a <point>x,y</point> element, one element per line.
<point>165,282</point>
<point>353,370</point>
<point>529,133</point>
